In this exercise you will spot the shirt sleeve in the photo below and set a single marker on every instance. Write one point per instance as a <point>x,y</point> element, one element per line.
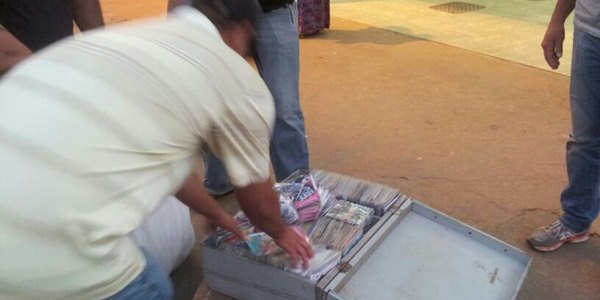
<point>241,134</point>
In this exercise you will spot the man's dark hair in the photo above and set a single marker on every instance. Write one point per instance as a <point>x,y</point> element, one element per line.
<point>223,12</point>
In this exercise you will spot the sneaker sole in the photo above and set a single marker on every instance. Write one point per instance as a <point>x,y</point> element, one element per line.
<point>573,240</point>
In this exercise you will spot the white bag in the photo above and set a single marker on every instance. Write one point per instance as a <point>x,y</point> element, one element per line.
<point>167,234</point>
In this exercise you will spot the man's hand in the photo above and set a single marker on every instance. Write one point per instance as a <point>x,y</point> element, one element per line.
<point>225,221</point>
<point>296,246</point>
<point>553,44</point>
<point>260,203</point>
<point>192,193</point>
<point>555,34</point>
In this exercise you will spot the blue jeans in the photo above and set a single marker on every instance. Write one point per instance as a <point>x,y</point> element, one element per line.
<point>277,47</point>
<point>152,284</point>
<point>581,197</point>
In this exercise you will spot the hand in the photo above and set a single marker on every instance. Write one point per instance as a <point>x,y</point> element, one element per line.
<point>296,246</point>
<point>224,221</point>
<point>553,44</point>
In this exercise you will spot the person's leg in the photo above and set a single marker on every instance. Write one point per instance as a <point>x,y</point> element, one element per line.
<point>152,284</point>
<point>581,198</point>
<point>277,47</point>
<point>167,234</point>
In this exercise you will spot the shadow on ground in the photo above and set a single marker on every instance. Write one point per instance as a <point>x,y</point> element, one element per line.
<point>367,35</point>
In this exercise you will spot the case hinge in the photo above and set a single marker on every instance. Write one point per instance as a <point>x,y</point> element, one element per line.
<point>344,266</point>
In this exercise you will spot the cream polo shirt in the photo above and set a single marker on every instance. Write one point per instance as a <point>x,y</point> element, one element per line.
<point>95,131</point>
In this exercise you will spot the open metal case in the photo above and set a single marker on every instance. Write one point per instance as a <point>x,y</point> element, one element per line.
<point>411,252</point>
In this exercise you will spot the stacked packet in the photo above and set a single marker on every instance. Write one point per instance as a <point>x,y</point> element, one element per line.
<point>340,227</point>
<point>332,225</point>
<point>301,191</point>
<point>378,196</point>
<point>323,260</point>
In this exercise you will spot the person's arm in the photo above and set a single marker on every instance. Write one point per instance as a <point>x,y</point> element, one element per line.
<point>12,51</point>
<point>87,14</point>
<point>552,44</point>
<point>195,197</point>
<point>260,203</point>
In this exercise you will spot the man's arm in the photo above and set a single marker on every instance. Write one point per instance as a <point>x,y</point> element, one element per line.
<point>195,197</point>
<point>87,14</point>
<point>260,203</point>
<point>12,51</point>
<point>555,34</point>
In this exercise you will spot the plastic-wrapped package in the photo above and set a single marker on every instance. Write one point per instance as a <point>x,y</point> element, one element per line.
<point>261,244</point>
<point>333,211</point>
<point>349,212</point>
<point>226,236</point>
<point>266,252</point>
<point>301,190</point>
<point>323,260</point>
<point>240,217</point>
<point>288,211</point>
<point>327,199</point>
<point>238,247</point>
<point>377,196</point>
<point>341,226</point>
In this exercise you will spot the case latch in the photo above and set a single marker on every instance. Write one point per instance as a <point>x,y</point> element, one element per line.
<point>344,266</point>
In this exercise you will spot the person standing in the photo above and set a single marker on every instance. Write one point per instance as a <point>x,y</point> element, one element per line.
<point>278,62</point>
<point>38,23</point>
<point>27,26</point>
<point>581,197</point>
<point>97,131</point>
<point>277,59</point>
<point>313,16</point>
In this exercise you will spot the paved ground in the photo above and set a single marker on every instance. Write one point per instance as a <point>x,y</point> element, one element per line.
<point>479,138</point>
<point>508,29</point>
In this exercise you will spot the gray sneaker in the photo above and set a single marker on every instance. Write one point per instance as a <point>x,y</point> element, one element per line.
<point>553,236</point>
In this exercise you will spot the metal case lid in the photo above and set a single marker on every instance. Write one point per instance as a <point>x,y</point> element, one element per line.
<point>420,253</point>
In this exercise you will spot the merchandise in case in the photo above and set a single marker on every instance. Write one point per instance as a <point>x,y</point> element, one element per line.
<point>406,251</point>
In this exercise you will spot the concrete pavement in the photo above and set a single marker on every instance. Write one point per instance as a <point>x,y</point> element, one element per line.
<point>507,29</point>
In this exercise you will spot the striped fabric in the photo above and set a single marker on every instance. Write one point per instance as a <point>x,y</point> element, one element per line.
<point>95,131</point>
